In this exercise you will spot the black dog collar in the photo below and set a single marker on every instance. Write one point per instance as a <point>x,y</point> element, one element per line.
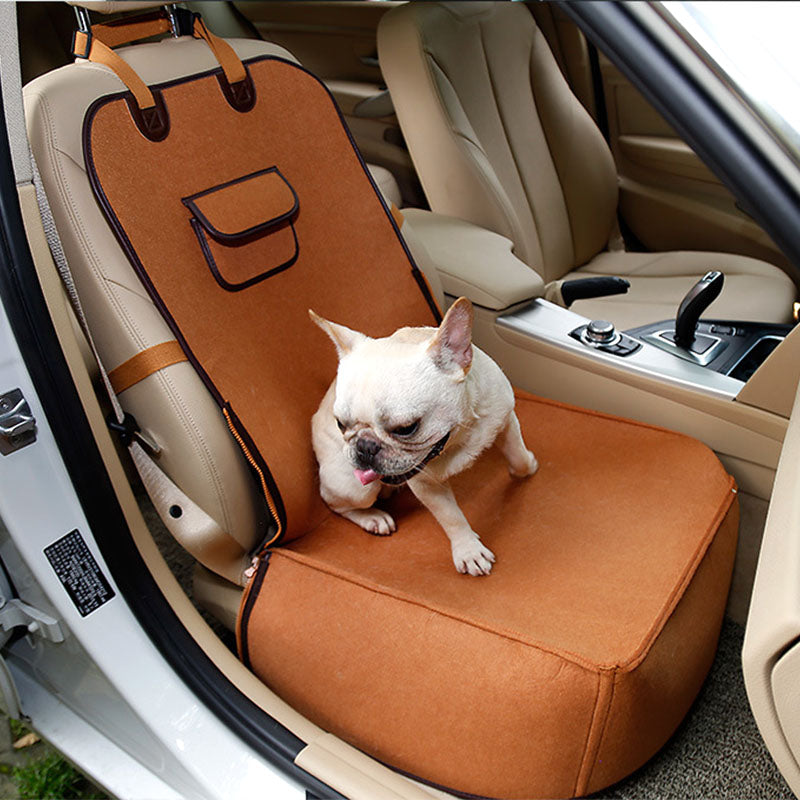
<point>396,480</point>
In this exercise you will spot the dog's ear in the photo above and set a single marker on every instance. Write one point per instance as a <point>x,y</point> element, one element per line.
<point>451,347</point>
<point>344,338</point>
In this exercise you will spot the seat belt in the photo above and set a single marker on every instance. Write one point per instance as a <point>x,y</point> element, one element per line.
<point>197,532</point>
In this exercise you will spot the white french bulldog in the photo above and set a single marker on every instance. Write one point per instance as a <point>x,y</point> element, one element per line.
<point>416,407</point>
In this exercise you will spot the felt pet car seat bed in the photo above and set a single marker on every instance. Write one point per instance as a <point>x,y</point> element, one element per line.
<point>241,201</point>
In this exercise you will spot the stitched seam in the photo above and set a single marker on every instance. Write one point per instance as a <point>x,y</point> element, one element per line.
<point>510,148</point>
<point>547,139</point>
<point>581,785</point>
<point>505,209</point>
<point>133,330</point>
<point>680,588</point>
<point>574,658</point>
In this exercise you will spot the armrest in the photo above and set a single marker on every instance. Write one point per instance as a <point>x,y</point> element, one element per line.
<point>473,261</point>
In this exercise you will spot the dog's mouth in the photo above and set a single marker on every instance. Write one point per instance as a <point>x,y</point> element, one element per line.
<point>367,476</point>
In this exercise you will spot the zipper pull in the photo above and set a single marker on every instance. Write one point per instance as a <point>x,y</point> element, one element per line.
<point>251,570</point>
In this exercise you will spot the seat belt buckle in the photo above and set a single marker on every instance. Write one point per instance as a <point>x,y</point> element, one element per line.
<point>126,429</point>
<point>129,429</point>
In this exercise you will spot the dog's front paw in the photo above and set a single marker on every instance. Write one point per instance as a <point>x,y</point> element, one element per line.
<point>373,520</point>
<point>527,468</point>
<point>472,557</point>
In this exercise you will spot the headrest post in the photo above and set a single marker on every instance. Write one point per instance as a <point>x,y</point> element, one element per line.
<point>175,20</point>
<point>84,23</point>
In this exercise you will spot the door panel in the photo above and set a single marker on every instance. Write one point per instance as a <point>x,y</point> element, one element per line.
<point>336,40</point>
<point>669,199</point>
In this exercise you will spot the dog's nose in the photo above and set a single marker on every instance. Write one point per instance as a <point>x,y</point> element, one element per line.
<point>367,449</point>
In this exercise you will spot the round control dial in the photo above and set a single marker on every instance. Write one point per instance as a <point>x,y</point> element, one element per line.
<point>600,331</point>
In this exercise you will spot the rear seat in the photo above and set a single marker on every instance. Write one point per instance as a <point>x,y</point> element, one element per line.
<point>560,673</point>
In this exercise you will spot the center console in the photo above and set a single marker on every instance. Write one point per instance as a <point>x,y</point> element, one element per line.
<point>713,356</point>
<point>561,328</point>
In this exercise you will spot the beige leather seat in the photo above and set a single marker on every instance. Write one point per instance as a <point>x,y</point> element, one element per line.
<point>499,140</point>
<point>172,406</point>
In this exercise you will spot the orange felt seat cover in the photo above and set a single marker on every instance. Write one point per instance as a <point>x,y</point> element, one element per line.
<point>558,674</point>
<point>574,661</point>
<point>236,234</point>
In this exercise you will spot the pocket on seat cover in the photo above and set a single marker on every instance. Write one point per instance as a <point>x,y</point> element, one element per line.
<point>245,227</point>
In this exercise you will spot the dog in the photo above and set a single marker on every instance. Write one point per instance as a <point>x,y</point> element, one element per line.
<point>414,408</point>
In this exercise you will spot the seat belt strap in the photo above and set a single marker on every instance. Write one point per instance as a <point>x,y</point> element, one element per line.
<point>195,530</point>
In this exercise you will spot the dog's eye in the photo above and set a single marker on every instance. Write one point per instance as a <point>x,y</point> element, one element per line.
<point>342,426</point>
<point>406,430</point>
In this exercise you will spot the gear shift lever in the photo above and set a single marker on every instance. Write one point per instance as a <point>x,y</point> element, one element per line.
<point>696,301</point>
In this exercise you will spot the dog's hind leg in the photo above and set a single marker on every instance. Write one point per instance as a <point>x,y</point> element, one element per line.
<point>521,461</point>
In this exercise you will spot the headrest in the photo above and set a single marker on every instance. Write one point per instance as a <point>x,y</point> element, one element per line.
<point>114,6</point>
<point>467,10</point>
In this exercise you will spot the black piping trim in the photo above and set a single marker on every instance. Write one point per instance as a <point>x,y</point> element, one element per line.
<point>127,247</point>
<point>191,204</point>
<point>215,271</point>
<point>133,257</point>
<point>29,317</point>
<point>252,595</point>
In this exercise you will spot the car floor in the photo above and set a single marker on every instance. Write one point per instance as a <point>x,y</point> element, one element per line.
<point>717,752</point>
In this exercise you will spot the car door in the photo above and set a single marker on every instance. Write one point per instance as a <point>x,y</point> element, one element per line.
<point>337,42</point>
<point>669,199</point>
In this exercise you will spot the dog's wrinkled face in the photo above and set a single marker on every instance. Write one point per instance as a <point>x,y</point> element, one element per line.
<point>397,397</point>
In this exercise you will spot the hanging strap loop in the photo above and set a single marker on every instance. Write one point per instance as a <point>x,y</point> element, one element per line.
<point>97,43</point>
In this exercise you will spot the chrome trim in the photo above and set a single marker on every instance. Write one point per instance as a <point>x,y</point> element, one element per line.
<point>546,322</point>
<point>703,359</point>
<point>615,339</point>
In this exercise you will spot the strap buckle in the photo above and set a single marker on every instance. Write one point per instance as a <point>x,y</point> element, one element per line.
<point>88,44</point>
<point>128,430</point>
<point>181,20</point>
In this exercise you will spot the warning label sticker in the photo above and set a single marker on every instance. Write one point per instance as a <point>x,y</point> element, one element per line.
<point>80,574</point>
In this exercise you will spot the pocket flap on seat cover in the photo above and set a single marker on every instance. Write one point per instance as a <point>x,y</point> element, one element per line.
<point>244,206</point>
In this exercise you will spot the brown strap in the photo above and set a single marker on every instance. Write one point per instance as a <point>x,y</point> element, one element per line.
<point>122,31</point>
<point>397,215</point>
<point>226,56</point>
<point>144,364</point>
<point>96,46</point>
<point>102,54</point>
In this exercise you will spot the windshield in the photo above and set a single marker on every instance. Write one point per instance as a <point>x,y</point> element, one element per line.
<point>755,44</point>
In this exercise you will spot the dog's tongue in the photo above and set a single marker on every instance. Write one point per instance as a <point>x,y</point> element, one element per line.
<point>366,475</point>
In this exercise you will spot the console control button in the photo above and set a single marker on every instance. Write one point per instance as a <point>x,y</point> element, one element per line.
<point>725,330</point>
<point>619,344</point>
<point>599,331</point>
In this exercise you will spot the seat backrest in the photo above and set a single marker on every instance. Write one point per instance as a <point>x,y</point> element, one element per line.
<point>497,137</point>
<point>173,405</point>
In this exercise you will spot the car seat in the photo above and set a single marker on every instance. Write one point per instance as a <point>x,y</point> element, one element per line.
<point>499,140</point>
<point>560,673</point>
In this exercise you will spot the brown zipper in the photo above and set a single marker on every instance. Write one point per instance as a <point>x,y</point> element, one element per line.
<point>270,502</point>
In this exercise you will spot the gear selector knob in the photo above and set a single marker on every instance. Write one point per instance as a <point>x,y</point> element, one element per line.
<point>696,301</point>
